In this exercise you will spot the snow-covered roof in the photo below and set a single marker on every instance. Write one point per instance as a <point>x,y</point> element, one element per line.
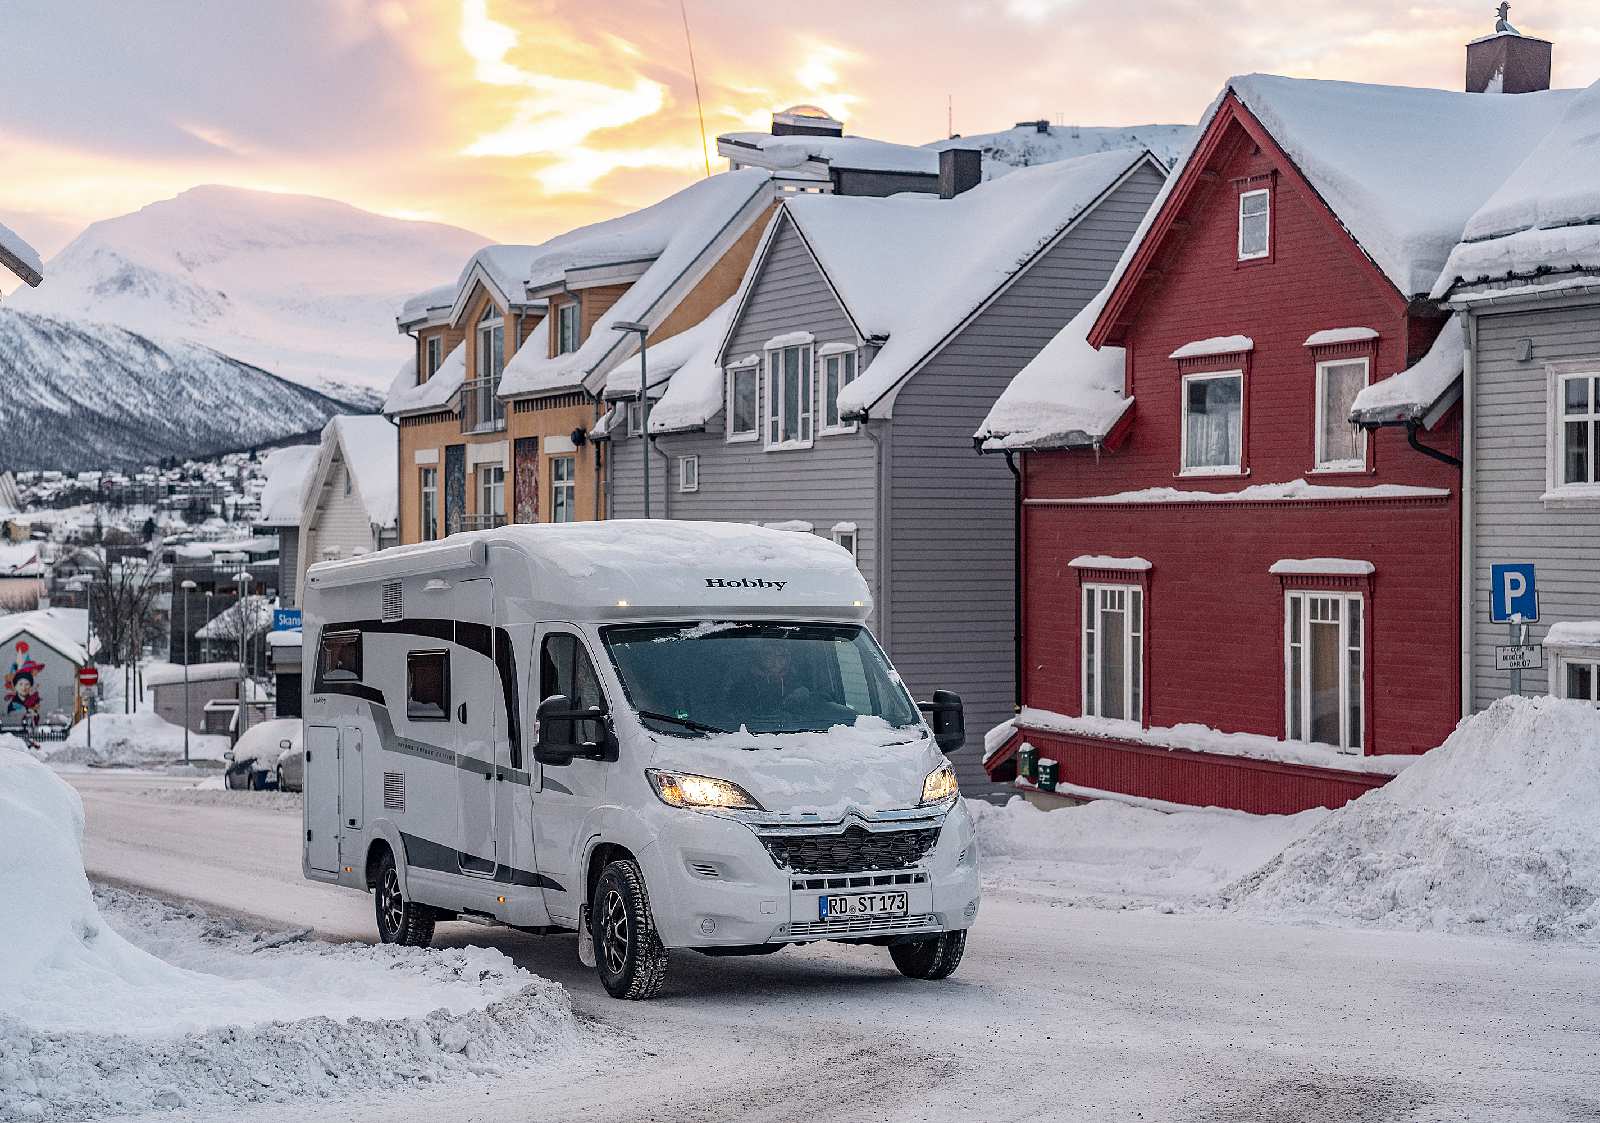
<point>1068,395</point>
<point>1216,345</point>
<point>255,613</point>
<point>1418,391</point>
<point>1320,567</point>
<point>370,446</point>
<point>1025,144</point>
<point>426,307</point>
<point>503,270</point>
<point>50,627</point>
<point>911,268</point>
<point>853,153</point>
<point>1328,337</point>
<point>667,240</point>
<point>406,396</point>
<point>19,257</point>
<point>20,559</point>
<point>687,362</point>
<point>1545,216</point>
<point>283,494</point>
<point>168,673</point>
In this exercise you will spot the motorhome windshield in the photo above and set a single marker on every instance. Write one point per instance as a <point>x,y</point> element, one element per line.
<point>712,677</point>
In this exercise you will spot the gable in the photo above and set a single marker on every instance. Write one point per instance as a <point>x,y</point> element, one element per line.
<point>788,292</point>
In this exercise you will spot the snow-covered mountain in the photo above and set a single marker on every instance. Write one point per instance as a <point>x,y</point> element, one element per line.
<point>303,287</point>
<point>1026,145</point>
<point>76,395</point>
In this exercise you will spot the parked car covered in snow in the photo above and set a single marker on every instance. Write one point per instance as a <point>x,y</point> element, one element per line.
<point>253,762</point>
<point>661,734</point>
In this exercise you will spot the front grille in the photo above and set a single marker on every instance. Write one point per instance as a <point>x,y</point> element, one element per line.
<point>850,850</point>
<point>858,881</point>
<point>857,925</point>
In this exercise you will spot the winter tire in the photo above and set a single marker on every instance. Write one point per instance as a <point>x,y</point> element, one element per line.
<point>279,780</point>
<point>627,949</point>
<point>932,957</point>
<point>399,921</point>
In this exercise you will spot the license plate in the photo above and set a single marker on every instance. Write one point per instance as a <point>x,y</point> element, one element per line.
<point>851,905</point>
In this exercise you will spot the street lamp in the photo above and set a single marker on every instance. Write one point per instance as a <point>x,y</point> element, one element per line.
<point>188,587</point>
<point>205,645</point>
<point>243,577</point>
<point>643,331</point>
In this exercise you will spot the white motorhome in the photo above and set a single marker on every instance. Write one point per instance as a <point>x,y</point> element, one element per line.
<point>659,734</point>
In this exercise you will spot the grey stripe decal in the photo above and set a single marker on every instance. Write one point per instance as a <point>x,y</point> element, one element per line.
<point>429,855</point>
<point>557,786</point>
<point>395,743</point>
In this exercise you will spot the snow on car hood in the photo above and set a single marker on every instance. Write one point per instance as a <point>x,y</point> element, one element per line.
<point>871,766</point>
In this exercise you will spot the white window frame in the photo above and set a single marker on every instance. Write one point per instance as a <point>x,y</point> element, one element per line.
<point>776,415</point>
<point>1323,464</point>
<point>846,535</point>
<point>1559,493</point>
<point>1184,468</point>
<point>688,473</point>
<point>432,356</point>
<point>491,489</point>
<point>1350,741</point>
<point>826,355</point>
<point>1265,216</point>
<point>752,368</point>
<point>1091,663</point>
<point>635,414</point>
<point>568,328</point>
<point>491,324</point>
<point>1558,676</point>
<point>563,489</point>
<point>428,502</point>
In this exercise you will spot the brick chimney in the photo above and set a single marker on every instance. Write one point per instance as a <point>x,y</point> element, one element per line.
<point>1508,63</point>
<point>960,169</point>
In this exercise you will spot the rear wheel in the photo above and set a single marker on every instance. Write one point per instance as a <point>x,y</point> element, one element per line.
<point>627,949</point>
<point>399,921</point>
<point>932,957</point>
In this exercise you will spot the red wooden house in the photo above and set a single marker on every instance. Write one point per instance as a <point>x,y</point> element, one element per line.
<point>1231,596</point>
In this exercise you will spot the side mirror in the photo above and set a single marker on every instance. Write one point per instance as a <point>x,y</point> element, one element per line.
<point>559,740</point>
<point>947,718</point>
<point>228,755</point>
<point>285,744</point>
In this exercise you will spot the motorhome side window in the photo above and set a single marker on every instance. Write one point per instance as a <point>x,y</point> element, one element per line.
<point>340,659</point>
<point>428,686</point>
<point>564,668</point>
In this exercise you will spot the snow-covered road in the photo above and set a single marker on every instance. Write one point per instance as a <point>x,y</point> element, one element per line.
<point>1058,1012</point>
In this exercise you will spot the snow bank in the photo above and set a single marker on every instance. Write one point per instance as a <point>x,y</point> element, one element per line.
<point>132,739</point>
<point>148,1006</point>
<point>1107,847</point>
<point>1494,830</point>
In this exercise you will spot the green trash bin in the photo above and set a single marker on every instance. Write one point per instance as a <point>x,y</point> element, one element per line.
<point>1047,775</point>
<point>1028,763</point>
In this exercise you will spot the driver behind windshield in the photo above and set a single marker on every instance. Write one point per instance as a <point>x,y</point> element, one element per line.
<point>770,683</point>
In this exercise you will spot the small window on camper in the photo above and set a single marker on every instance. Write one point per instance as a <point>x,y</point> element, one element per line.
<point>340,657</point>
<point>564,668</point>
<point>428,686</point>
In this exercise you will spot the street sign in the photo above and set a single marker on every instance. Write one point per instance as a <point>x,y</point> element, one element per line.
<point>286,620</point>
<point>1512,593</point>
<point>1518,657</point>
<point>88,676</point>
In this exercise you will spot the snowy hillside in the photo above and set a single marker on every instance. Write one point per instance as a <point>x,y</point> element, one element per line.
<point>1024,145</point>
<point>77,395</point>
<point>303,287</point>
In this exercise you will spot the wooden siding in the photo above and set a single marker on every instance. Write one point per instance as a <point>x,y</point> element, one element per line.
<point>1510,522</point>
<point>951,531</point>
<point>288,565</point>
<point>340,525</point>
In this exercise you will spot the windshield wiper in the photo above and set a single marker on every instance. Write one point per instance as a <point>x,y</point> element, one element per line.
<point>682,722</point>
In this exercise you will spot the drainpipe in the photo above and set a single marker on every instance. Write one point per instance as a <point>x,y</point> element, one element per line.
<point>1016,578</point>
<point>1469,326</point>
<point>666,476</point>
<point>880,542</point>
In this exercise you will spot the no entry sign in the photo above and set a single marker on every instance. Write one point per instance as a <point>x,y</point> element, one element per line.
<point>88,676</point>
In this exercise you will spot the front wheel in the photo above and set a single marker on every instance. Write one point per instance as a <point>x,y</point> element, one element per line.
<point>627,949</point>
<point>932,957</point>
<point>399,921</point>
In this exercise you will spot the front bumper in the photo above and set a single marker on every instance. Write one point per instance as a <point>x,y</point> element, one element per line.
<point>714,882</point>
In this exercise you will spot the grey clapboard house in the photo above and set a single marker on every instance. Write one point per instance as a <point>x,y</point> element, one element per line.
<point>1525,360</point>
<point>837,392</point>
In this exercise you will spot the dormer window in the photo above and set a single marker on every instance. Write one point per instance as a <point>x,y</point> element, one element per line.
<point>491,344</point>
<point>1255,225</point>
<point>567,328</point>
<point>433,355</point>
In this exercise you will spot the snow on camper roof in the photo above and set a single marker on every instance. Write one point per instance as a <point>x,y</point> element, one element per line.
<point>669,237</point>
<point>1545,217</point>
<point>1068,395</point>
<point>911,268</point>
<point>406,396</point>
<point>621,567</point>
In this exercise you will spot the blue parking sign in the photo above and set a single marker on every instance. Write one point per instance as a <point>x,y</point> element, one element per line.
<point>1512,592</point>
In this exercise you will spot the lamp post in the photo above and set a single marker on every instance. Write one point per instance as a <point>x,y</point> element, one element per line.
<point>205,644</point>
<point>188,587</point>
<point>243,577</point>
<point>643,331</point>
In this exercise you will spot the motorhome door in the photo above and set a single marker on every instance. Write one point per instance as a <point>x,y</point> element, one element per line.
<point>474,690</point>
<point>322,798</point>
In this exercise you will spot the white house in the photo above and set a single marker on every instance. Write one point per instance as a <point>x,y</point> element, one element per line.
<point>351,497</point>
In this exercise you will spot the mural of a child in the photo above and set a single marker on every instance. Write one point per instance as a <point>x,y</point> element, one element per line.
<point>21,685</point>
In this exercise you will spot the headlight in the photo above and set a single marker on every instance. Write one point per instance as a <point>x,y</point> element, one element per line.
<point>683,789</point>
<point>940,785</point>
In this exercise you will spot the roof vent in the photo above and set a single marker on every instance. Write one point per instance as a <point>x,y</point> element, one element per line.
<point>1507,61</point>
<point>960,169</point>
<point>393,606</point>
<point>805,120</point>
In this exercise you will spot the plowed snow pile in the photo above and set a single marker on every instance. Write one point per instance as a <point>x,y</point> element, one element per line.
<point>148,1006</point>
<point>1498,829</point>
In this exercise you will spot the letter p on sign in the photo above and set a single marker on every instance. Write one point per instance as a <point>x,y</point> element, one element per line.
<point>1513,593</point>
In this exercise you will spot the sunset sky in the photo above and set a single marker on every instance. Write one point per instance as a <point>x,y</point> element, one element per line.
<point>522,118</point>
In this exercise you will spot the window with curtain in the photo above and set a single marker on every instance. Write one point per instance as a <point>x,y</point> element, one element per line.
<point>789,395</point>
<point>1339,443</point>
<point>1213,415</point>
<point>838,371</point>
<point>1113,652</point>
<point>1324,668</point>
